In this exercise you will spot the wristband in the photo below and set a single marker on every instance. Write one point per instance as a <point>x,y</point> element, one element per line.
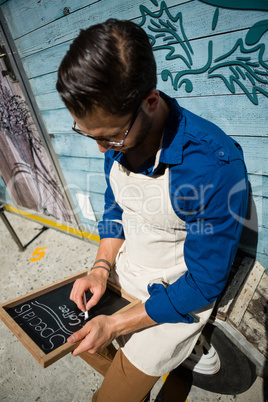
<point>105,261</point>
<point>100,266</point>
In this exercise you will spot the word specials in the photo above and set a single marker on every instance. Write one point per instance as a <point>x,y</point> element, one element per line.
<point>52,326</point>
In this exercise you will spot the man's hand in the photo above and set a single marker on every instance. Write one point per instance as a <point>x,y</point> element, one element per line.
<point>102,330</point>
<point>96,279</point>
<point>95,282</point>
<point>96,334</point>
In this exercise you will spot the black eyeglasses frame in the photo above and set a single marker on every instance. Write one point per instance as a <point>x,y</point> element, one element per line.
<point>110,143</point>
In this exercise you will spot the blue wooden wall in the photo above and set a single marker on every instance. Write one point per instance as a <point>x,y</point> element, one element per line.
<point>211,57</point>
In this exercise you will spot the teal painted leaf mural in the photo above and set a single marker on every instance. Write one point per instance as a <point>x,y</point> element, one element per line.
<point>242,67</point>
<point>164,34</point>
<point>240,70</point>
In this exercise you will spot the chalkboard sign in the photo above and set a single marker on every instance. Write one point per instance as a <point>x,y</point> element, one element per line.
<point>44,319</point>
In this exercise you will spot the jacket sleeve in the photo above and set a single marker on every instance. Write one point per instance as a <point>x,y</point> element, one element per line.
<point>111,223</point>
<point>214,216</point>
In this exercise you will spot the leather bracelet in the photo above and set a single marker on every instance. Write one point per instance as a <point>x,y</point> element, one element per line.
<point>105,261</point>
<point>100,266</point>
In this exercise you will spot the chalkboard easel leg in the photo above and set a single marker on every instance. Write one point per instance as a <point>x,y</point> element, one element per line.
<point>13,233</point>
<point>10,228</point>
<point>100,361</point>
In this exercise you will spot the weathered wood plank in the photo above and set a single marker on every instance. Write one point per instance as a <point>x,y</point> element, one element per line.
<point>78,11</point>
<point>65,29</point>
<point>261,205</point>
<point>92,165</point>
<point>45,62</point>
<point>254,323</point>
<point>202,85</point>
<point>49,101</point>
<point>47,98</point>
<point>258,164</point>
<point>69,144</point>
<point>263,258</point>
<point>259,184</point>
<point>28,15</point>
<point>257,304</point>
<point>246,294</point>
<point>90,182</point>
<point>58,121</point>
<point>233,288</point>
<point>233,114</point>
<point>44,84</point>
<point>263,291</point>
<point>254,332</point>
<point>97,202</point>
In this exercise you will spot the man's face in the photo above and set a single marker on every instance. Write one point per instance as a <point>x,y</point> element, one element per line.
<point>108,127</point>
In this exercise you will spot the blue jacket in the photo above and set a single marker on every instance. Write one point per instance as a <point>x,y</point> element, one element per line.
<point>209,191</point>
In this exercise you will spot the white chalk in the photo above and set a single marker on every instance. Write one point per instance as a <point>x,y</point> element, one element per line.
<point>85,303</point>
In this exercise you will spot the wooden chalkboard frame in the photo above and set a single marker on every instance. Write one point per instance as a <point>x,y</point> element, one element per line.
<point>47,359</point>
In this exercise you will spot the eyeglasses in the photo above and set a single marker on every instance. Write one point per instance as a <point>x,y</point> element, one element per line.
<point>111,143</point>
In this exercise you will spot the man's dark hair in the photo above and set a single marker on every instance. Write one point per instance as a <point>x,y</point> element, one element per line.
<point>109,65</point>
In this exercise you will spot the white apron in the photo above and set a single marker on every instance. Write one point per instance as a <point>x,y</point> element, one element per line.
<point>153,250</point>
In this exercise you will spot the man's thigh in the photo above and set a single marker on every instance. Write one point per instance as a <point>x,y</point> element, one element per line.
<point>124,382</point>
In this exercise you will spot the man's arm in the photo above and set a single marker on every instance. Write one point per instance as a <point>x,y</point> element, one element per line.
<point>112,237</point>
<point>102,330</point>
<point>214,224</point>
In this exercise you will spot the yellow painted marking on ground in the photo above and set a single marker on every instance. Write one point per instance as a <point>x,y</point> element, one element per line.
<point>38,253</point>
<point>55,225</point>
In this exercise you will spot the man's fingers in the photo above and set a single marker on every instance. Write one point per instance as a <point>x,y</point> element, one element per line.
<point>94,299</point>
<point>77,336</point>
<point>77,292</point>
<point>94,336</point>
<point>81,286</point>
<point>82,335</point>
<point>79,302</point>
<point>83,346</point>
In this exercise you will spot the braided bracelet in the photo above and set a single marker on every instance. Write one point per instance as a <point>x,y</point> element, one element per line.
<point>100,266</point>
<point>105,261</point>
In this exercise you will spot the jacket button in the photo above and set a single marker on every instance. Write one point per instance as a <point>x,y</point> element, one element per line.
<point>221,153</point>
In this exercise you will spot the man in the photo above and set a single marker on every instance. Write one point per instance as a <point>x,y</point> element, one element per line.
<point>174,205</point>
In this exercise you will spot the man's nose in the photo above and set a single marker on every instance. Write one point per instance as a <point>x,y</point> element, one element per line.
<point>103,146</point>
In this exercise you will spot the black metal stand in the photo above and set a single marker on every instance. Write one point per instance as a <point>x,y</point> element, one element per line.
<point>13,233</point>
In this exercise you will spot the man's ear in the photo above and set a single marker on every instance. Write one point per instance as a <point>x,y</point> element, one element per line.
<point>151,101</point>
